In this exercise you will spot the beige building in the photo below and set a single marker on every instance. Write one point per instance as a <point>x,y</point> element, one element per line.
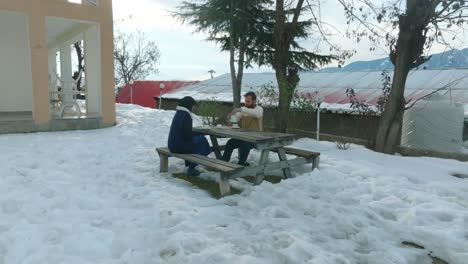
<point>38,65</point>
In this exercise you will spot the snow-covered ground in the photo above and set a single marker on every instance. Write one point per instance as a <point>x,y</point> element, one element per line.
<point>97,197</point>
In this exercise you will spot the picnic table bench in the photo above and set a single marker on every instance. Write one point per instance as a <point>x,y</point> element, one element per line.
<point>265,142</point>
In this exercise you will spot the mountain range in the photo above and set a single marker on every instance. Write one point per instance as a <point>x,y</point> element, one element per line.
<point>452,59</point>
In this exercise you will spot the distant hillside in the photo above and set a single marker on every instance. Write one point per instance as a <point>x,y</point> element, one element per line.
<point>451,59</point>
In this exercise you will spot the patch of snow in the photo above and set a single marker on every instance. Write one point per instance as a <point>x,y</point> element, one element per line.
<point>465,147</point>
<point>344,108</point>
<point>98,197</point>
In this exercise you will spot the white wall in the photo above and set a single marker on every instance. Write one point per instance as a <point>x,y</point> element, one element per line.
<point>15,63</point>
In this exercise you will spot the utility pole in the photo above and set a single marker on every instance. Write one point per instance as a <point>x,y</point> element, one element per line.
<point>131,91</point>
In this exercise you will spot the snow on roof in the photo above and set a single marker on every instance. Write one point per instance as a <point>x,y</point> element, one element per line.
<point>331,86</point>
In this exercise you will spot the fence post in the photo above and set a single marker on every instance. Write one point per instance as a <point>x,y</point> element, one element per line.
<point>318,100</point>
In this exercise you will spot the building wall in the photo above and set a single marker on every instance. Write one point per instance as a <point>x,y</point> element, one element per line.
<point>143,92</point>
<point>15,63</point>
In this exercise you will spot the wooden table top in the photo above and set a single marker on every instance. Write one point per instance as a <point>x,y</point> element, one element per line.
<point>257,137</point>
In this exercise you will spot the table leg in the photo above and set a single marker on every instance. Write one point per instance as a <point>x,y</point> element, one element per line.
<point>263,160</point>
<point>224,186</point>
<point>214,142</point>
<point>282,157</point>
<point>163,163</point>
<point>316,163</point>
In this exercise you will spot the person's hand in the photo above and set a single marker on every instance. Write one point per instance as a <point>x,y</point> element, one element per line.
<point>233,112</point>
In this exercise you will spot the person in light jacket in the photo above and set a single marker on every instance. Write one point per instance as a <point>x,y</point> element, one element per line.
<point>251,118</point>
<point>181,138</point>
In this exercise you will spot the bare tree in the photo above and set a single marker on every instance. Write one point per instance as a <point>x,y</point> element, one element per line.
<point>80,55</point>
<point>135,56</point>
<point>409,28</point>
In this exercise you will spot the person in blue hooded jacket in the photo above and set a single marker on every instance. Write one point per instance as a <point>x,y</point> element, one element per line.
<point>181,138</point>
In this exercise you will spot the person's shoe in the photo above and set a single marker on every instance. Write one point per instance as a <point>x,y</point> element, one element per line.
<point>245,164</point>
<point>192,172</point>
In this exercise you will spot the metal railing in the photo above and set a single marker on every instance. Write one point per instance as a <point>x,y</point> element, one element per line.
<point>93,2</point>
<point>85,2</point>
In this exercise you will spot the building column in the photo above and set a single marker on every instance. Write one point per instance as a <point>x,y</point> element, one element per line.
<point>93,70</point>
<point>39,68</point>
<point>52,70</point>
<point>107,62</point>
<point>66,73</point>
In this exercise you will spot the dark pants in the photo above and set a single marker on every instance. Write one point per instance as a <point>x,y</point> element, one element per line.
<point>244,150</point>
<point>201,147</point>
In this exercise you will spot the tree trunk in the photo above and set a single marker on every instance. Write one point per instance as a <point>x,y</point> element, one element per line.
<point>388,134</point>
<point>236,83</point>
<point>284,103</point>
<point>286,77</point>
<point>281,64</point>
<point>240,72</point>
<point>79,54</point>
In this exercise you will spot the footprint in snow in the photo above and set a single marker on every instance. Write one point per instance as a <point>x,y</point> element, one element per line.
<point>282,241</point>
<point>48,193</point>
<point>22,172</point>
<point>11,206</point>
<point>53,237</point>
<point>444,217</point>
<point>167,253</point>
<point>33,166</point>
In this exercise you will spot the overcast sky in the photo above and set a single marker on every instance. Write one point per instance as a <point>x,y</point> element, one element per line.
<point>186,56</point>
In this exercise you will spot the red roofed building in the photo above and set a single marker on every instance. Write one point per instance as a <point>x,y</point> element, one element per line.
<point>143,92</point>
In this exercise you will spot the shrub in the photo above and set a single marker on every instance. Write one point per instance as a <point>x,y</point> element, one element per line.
<point>210,112</point>
<point>342,144</point>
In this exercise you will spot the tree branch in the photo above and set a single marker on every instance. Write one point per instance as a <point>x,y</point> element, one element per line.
<point>445,87</point>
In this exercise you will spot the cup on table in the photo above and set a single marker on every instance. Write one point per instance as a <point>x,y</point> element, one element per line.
<point>235,120</point>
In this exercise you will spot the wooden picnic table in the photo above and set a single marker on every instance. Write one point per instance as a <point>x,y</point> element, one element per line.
<point>265,142</point>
